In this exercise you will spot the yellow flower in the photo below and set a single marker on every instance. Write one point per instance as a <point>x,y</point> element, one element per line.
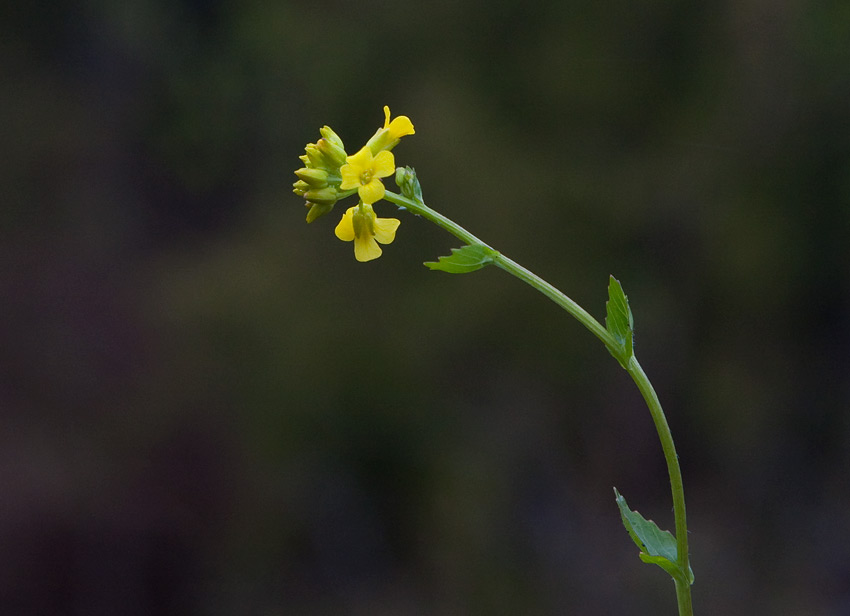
<point>363,172</point>
<point>399,127</point>
<point>386,138</point>
<point>360,224</point>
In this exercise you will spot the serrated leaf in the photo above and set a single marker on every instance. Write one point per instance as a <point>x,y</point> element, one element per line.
<point>657,547</point>
<point>619,321</point>
<point>465,259</point>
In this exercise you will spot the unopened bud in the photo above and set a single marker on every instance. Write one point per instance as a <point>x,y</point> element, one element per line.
<point>317,210</point>
<point>314,157</point>
<point>323,196</point>
<point>333,153</point>
<point>405,178</point>
<point>329,134</point>
<point>300,187</point>
<point>317,178</point>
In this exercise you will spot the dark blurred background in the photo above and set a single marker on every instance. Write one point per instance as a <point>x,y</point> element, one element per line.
<point>209,407</point>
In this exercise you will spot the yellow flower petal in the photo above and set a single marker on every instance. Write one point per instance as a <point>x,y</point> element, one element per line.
<point>384,164</point>
<point>400,127</point>
<point>350,177</point>
<point>359,224</point>
<point>366,248</point>
<point>372,192</point>
<point>385,229</point>
<point>362,159</point>
<point>345,229</point>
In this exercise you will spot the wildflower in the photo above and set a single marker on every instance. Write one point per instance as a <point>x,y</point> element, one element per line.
<point>399,127</point>
<point>363,172</point>
<point>329,174</point>
<point>387,138</point>
<point>360,224</point>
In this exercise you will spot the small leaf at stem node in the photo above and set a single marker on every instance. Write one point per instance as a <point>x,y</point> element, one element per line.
<point>657,547</point>
<point>465,259</point>
<point>619,322</point>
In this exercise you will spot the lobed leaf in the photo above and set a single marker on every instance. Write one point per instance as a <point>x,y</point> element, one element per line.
<point>466,259</point>
<point>657,547</point>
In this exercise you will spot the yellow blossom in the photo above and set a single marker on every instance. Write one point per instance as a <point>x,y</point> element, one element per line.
<point>387,137</point>
<point>363,172</point>
<point>361,225</point>
<point>399,127</point>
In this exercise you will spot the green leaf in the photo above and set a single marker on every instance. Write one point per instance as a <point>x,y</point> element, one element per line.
<point>657,547</point>
<point>619,321</point>
<point>465,259</point>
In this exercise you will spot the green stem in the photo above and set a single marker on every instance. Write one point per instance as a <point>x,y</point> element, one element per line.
<point>683,588</point>
<point>509,265</point>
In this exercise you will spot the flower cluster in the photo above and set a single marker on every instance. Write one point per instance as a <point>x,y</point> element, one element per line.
<point>319,179</point>
<point>330,174</point>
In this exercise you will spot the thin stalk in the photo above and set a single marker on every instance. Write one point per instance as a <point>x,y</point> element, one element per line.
<point>509,265</point>
<point>683,588</point>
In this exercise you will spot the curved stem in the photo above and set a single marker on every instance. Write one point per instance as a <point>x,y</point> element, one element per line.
<point>583,317</point>
<point>683,588</point>
<point>509,265</point>
<point>419,208</point>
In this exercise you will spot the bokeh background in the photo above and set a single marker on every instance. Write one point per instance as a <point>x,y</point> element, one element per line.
<point>208,407</point>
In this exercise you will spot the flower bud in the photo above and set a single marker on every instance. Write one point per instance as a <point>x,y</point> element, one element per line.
<point>323,196</point>
<point>300,187</point>
<point>329,134</point>
<point>334,154</point>
<point>317,178</point>
<point>407,181</point>
<point>314,157</point>
<point>317,210</point>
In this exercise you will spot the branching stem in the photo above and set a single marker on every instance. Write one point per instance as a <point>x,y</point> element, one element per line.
<point>683,588</point>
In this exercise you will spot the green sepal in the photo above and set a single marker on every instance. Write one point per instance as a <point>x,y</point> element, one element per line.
<point>620,322</point>
<point>657,547</point>
<point>465,259</point>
